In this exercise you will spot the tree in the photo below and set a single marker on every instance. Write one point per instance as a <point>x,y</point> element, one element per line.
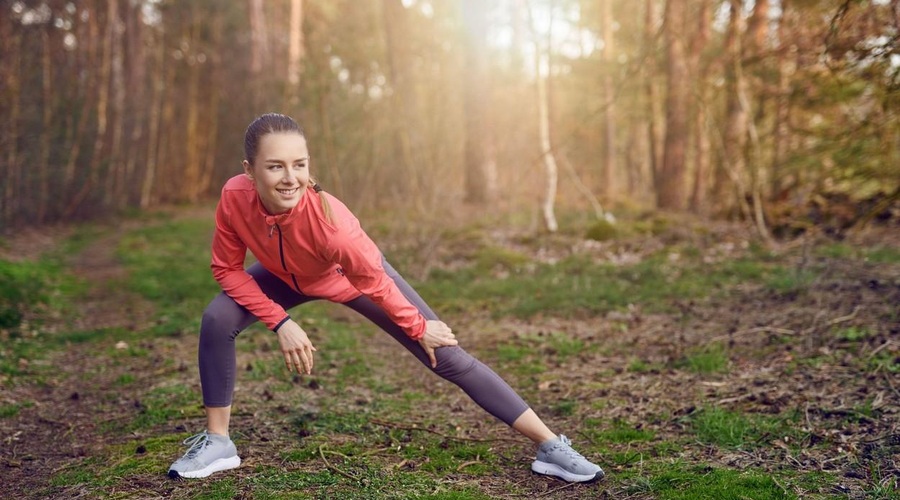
<point>670,181</point>
<point>480,161</point>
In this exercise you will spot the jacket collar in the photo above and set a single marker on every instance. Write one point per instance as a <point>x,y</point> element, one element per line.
<point>285,218</point>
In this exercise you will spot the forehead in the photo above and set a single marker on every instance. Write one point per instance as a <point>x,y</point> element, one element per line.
<point>282,146</point>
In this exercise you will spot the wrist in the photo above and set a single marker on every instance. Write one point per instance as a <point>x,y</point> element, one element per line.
<point>281,323</point>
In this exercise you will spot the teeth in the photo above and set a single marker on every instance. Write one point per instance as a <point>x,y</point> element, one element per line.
<point>287,191</point>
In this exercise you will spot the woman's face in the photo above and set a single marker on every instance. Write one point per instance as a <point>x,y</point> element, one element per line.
<point>280,170</point>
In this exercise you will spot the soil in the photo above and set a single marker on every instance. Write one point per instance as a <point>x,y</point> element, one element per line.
<point>850,414</point>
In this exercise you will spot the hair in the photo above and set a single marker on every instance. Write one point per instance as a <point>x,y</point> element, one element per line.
<point>272,123</point>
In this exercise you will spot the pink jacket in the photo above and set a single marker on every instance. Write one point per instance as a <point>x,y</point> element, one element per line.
<point>337,262</point>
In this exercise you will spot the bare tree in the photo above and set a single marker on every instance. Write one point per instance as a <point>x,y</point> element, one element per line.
<point>296,50</point>
<point>670,185</point>
<point>480,161</point>
<point>608,167</point>
<point>701,143</point>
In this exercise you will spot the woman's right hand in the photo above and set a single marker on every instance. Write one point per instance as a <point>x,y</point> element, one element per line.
<point>296,347</point>
<point>437,334</point>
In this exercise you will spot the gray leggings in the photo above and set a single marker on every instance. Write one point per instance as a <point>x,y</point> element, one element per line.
<point>224,319</point>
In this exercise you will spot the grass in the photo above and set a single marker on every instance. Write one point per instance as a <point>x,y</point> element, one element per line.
<point>732,429</point>
<point>326,436</point>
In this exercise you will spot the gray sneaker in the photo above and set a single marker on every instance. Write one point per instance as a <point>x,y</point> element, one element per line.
<point>208,453</point>
<point>557,458</point>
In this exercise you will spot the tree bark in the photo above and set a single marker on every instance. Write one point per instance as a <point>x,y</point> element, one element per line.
<point>670,187</point>
<point>702,147</point>
<point>653,139</point>
<point>608,167</point>
<point>159,82</point>
<point>13,85</point>
<point>480,161</point>
<point>296,51</point>
<point>259,41</point>
<point>734,165</point>
<point>786,68</point>
<point>46,124</point>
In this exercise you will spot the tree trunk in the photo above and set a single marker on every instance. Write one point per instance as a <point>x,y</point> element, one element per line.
<point>407,130</point>
<point>193,146</point>
<point>259,42</point>
<point>702,148</point>
<point>609,113</point>
<point>295,55</point>
<point>136,78</point>
<point>550,169</point>
<point>13,85</point>
<point>653,139</point>
<point>98,163</point>
<point>115,191</point>
<point>786,68</point>
<point>670,187</point>
<point>735,136</point>
<point>480,162</point>
<point>156,104</point>
<point>46,124</point>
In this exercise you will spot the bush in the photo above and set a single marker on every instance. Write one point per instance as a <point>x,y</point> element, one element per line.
<point>22,286</point>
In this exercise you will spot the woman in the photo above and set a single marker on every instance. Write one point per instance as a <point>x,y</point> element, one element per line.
<point>309,246</point>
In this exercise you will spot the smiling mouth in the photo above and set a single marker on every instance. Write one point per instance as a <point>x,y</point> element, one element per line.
<point>288,192</point>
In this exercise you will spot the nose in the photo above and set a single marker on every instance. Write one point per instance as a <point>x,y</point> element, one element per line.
<point>289,176</point>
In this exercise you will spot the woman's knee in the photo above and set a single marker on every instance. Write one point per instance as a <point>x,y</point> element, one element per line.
<point>222,319</point>
<point>453,362</point>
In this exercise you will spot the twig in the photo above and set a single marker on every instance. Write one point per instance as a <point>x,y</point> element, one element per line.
<point>780,486</point>
<point>891,384</point>
<point>758,329</point>
<point>550,492</point>
<point>879,348</point>
<point>446,436</point>
<point>844,318</point>
<point>331,467</point>
<point>470,462</point>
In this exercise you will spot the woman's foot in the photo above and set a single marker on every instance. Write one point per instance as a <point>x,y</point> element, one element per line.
<point>556,457</point>
<point>208,453</point>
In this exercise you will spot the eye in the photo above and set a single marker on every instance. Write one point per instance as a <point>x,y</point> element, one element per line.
<point>273,166</point>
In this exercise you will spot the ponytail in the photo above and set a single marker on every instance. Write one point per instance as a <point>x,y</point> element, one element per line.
<point>326,206</point>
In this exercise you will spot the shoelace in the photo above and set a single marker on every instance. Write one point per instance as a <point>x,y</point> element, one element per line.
<point>196,443</point>
<point>568,450</point>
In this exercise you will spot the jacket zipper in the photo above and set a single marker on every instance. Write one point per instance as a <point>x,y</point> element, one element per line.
<point>281,254</point>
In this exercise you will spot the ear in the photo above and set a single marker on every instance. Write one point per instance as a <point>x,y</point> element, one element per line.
<point>248,170</point>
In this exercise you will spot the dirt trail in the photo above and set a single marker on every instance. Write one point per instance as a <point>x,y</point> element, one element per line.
<point>58,425</point>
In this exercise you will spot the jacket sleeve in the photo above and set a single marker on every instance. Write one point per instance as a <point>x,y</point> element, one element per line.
<point>361,259</point>
<point>228,254</point>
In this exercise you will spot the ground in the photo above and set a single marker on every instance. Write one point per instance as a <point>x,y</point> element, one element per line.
<point>795,380</point>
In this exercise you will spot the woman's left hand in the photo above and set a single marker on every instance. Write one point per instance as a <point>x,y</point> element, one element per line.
<point>437,334</point>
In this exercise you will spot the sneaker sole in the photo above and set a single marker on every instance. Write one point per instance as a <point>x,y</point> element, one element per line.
<point>549,469</point>
<point>217,466</point>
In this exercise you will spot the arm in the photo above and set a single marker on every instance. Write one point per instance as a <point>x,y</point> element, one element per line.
<point>228,254</point>
<point>361,259</point>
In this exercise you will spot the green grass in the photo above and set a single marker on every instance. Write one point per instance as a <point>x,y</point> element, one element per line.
<point>169,265</point>
<point>701,482</point>
<point>712,358</point>
<point>732,429</point>
<point>582,287</point>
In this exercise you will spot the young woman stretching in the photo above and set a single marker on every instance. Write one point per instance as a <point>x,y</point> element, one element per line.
<point>309,246</point>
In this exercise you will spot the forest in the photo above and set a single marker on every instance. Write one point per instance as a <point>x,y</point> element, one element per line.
<point>672,226</point>
<point>783,113</point>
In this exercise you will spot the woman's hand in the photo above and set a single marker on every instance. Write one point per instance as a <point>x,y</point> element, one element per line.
<point>296,347</point>
<point>437,334</point>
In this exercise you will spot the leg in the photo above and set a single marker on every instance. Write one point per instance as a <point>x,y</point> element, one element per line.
<point>222,321</point>
<point>481,383</point>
